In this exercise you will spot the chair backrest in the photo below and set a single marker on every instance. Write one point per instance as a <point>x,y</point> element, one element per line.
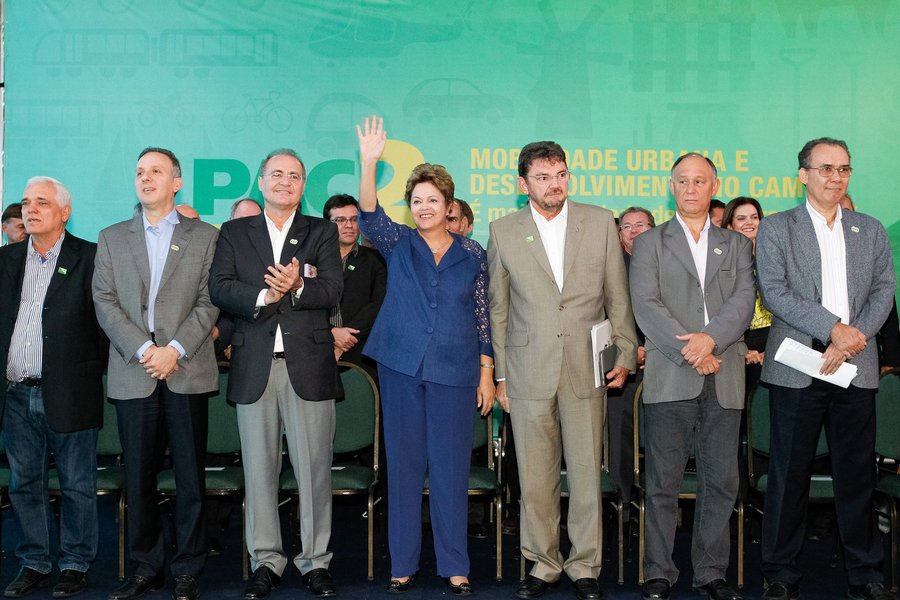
<point>887,417</point>
<point>356,416</point>
<point>222,433</point>
<point>108,443</point>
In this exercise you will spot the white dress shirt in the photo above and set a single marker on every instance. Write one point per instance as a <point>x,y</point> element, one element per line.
<point>553,237</point>
<point>277,237</point>
<point>698,253</point>
<point>835,296</point>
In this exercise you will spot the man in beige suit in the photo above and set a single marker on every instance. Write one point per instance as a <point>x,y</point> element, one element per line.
<point>556,269</point>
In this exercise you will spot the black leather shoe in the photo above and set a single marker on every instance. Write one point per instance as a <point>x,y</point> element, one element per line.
<point>463,589</point>
<point>717,589</point>
<point>395,586</point>
<point>870,591</point>
<point>656,589</point>
<point>320,583</point>
<point>185,588</point>
<point>587,588</point>
<point>136,586</point>
<point>260,584</point>
<point>70,582</point>
<point>25,582</point>
<point>781,591</point>
<point>532,587</point>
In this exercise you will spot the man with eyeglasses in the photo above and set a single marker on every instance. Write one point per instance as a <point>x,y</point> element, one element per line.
<point>827,276</point>
<point>365,283</point>
<point>633,221</point>
<point>556,269</point>
<point>279,275</point>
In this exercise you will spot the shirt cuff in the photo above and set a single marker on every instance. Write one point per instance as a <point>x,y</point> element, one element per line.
<point>140,352</point>
<point>261,299</point>
<point>177,345</point>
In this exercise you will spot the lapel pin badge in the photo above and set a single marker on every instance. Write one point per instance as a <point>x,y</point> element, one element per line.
<point>854,229</point>
<point>529,239</point>
<point>717,250</point>
<point>62,270</point>
<point>350,267</point>
<point>293,241</point>
<point>174,248</point>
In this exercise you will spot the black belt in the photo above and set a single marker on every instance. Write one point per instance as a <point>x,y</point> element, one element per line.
<point>277,355</point>
<point>30,381</point>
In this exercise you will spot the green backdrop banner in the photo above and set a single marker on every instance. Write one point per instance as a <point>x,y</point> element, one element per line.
<point>624,85</point>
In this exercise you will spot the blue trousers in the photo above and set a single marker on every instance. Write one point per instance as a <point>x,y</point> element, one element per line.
<point>29,443</point>
<point>427,429</point>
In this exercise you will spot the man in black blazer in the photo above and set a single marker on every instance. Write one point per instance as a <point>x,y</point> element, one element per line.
<point>365,282</point>
<point>53,353</point>
<point>283,372</point>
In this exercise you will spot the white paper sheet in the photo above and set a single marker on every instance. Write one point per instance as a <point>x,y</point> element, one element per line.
<point>601,337</point>
<point>806,360</point>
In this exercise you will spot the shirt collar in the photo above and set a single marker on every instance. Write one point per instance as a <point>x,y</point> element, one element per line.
<point>817,216</point>
<point>563,214</point>
<point>687,229</point>
<point>171,218</point>
<point>54,251</point>
<point>287,223</point>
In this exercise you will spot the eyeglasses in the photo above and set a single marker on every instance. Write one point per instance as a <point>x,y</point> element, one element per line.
<point>639,226</point>
<point>828,170</point>
<point>562,177</point>
<point>339,221</point>
<point>292,177</point>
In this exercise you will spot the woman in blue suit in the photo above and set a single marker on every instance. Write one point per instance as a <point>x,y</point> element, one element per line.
<point>432,344</point>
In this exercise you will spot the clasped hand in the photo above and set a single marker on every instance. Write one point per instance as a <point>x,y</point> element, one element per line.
<point>282,279</point>
<point>160,361</point>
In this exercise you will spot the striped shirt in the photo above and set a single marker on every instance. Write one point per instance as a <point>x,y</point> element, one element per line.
<point>26,345</point>
<point>835,296</point>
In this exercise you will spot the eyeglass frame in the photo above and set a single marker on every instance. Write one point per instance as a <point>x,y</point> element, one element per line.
<point>278,175</point>
<point>630,226</point>
<point>543,179</point>
<point>823,170</point>
<point>339,221</point>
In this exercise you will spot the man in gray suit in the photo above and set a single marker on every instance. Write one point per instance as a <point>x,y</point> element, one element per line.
<point>151,297</point>
<point>693,294</point>
<point>556,270</point>
<point>828,277</point>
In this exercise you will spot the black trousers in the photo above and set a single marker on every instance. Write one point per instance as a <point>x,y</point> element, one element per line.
<point>144,426</point>
<point>797,416</point>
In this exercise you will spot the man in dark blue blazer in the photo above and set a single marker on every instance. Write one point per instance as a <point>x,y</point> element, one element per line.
<point>53,353</point>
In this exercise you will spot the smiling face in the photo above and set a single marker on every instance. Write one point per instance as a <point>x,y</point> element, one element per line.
<point>282,182</point>
<point>825,193</point>
<point>41,212</point>
<point>630,226</point>
<point>745,220</point>
<point>428,207</point>
<point>693,184</point>
<point>156,183</point>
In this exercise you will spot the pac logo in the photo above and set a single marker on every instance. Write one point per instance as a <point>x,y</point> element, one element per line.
<point>229,179</point>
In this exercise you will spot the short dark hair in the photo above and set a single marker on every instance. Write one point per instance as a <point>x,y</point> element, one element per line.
<point>338,201</point>
<point>681,158</point>
<point>436,175</point>
<point>13,211</point>
<point>715,203</point>
<point>728,215</point>
<point>280,152</point>
<point>806,151</point>
<point>550,151</point>
<point>639,209</point>
<point>176,165</point>
<point>465,210</point>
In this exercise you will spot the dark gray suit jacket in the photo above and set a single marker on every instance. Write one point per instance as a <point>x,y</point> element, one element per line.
<point>789,268</point>
<point>667,301</point>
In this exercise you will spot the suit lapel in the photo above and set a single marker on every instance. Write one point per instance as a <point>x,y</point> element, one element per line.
<point>296,236</point>
<point>259,239</point>
<point>455,253</point>
<point>854,237</point>
<point>138,247</point>
<point>69,257</point>
<point>676,242</point>
<point>532,240</point>
<point>574,233</point>
<point>19,255</point>
<point>805,243</point>
<point>716,252</point>
<point>177,247</point>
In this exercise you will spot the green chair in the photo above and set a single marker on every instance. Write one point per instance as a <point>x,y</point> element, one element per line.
<point>484,481</point>
<point>357,420</point>
<point>110,471</point>
<point>887,446</point>
<point>688,491</point>
<point>223,439</point>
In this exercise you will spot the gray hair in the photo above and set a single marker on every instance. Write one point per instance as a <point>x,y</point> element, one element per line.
<point>63,196</point>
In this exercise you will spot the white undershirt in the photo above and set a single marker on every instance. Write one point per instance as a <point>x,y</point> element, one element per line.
<point>277,237</point>
<point>699,253</point>
<point>553,237</point>
<point>833,251</point>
